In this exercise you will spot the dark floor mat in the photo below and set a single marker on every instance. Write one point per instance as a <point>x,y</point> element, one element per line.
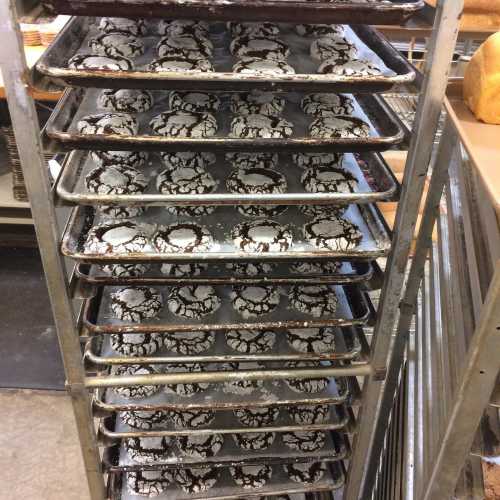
<point>29,351</point>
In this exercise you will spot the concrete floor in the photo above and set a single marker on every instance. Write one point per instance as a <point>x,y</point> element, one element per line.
<point>40,456</point>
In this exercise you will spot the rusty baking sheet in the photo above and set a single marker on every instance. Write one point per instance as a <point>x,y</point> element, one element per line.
<point>340,390</point>
<point>98,351</point>
<point>112,429</point>
<point>375,243</point>
<point>282,274</point>
<point>386,130</point>
<point>225,489</point>
<point>352,309</point>
<point>52,67</point>
<point>336,448</point>
<point>392,12</point>
<point>376,182</point>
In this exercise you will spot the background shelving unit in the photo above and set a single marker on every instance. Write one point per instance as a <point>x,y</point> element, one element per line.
<point>374,405</point>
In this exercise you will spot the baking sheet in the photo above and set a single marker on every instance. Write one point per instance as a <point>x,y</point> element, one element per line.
<point>73,39</point>
<point>352,309</point>
<point>225,489</point>
<point>375,243</point>
<point>113,429</point>
<point>283,274</point>
<point>392,12</point>
<point>386,129</point>
<point>336,448</point>
<point>375,182</point>
<point>275,393</point>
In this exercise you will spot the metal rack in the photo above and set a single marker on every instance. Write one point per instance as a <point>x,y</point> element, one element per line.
<point>373,412</point>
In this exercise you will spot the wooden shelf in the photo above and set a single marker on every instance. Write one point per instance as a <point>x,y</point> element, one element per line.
<point>480,140</point>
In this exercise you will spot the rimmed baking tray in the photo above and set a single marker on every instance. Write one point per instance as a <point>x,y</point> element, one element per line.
<point>282,274</point>
<point>396,70</point>
<point>336,448</point>
<point>340,390</point>
<point>375,243</point>
<point>386,129</point>
<point>393,12</point>
<point>352,309</point>
<point>376,182</point>
<point>225,489</point>
<point>112,429</point>
<point>98,351</point>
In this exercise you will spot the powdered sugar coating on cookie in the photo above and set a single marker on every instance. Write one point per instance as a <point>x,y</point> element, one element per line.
<point>339,127</point>
<point>193,301</point>
<point>136,303</point>
<point>126,100</point>
<point>184,124</point>
<point>328,180</point>
<point>117,44</point>
<point>262,67</point>
<point>261,236</point>
<point>116,180</point>
<point>254,300</point>
<point>92,61</point>
<point>182,237</point>
<point>316,300</point>
<point>332,233</point>
<point>108,123</point>
<point>260,126</point>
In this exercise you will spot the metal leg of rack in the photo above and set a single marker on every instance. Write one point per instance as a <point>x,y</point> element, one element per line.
<point>26,129</point>
<point>374,416</point>
<point>474,393</point>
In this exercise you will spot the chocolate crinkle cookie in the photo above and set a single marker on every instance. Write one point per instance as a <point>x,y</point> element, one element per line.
<point>147,483</point>
<point>197,102</point>
<point>242,386</point>
<point>339,127</point>
<point>257,417</point>
<point>316,267</point>
<point>183,270</point>
<point>193,301</point>
<point>357,67</point>
<point>117,44</point>
<point>319,30</point>
<point>180,27</point>
<point>305,441</point>
<point>260,126</point>
<point>328,180</point>
<point>189,342</point>
<point>136,303</point>
<point>318,340</point>
<point>316,300</point>
<point>200,445</point>
<point>125,100</point>
<point>251,268</point>
<point>255,29</point>
<point>327,104</point>
<point>135,391</point>
<point>261,47</point>
<point>309,414</point>
<point>254,300</point>
<point>191,418</point>
<point>332,233</point>
<point>251,341</point>
<point>257,102</point>
<point>262,236</point>
<point>145,420</point>
<point>125,270</point>
<point>135,27</point>
<point>254,441</point>
<point>306,160</point>
<point>251,476</point>
<point>253,160</point>
<point>179,63</point>
<point>115,212</point>
<point>188,159</point>
<point>262,67</point>
<point>196,480</point>
<point>119,158</point>
<point>184,237</point>
<point>117,237</point>
<point>256,180</point>
<point>305,472</point>
<point>333,46</point>
<point>136,344</point>
<point>186,180</point>
<point>186,390</point>
<point>184,124</point>
<point>107,124</point>
<point>116,180</point>
<point>146,450</point>
<point>307,385</point>
<point>187,46</point>
<point>92,61</point>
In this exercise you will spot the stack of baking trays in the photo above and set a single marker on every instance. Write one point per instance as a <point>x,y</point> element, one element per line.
<point>225,233</point>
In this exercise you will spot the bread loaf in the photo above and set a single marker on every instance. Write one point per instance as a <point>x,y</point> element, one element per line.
<point>478,14</point>
<point>482,81</point>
